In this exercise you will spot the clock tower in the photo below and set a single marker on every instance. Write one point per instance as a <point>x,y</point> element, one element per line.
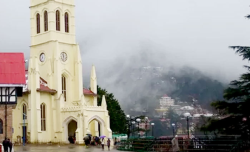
<point>55,58</point>
<point>53,48</point>
<point>55,107</point>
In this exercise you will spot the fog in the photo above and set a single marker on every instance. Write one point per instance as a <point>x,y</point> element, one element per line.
<point>119,36</point>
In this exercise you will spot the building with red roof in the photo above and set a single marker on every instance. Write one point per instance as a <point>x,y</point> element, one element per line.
<point>12,80</point>
<point>12,69</point>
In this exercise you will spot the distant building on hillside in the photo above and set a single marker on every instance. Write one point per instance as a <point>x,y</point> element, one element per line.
<point>166,101</point>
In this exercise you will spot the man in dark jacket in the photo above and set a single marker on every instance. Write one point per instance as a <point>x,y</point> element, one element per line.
<point>10,145</point>
<point>5,145</point>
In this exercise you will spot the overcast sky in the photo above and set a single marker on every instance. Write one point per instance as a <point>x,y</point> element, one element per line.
<point>180,32</point>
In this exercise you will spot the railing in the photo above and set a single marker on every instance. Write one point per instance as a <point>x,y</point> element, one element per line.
<point>199,143</point>
<point>240,146</point>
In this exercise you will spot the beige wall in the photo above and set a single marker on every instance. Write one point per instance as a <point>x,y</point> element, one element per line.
<point>17,116</point>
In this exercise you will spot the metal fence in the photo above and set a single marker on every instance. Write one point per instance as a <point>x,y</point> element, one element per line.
<point>198,143</point>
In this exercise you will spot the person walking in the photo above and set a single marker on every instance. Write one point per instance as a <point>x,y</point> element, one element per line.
<point>103,143</point>
<point>86,141</point>
<point>5,145</point>
<point>175,144</point>
<point>108,144</point>
<point>10,145</point>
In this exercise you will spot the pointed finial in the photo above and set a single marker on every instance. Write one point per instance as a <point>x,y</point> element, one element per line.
<point>104,104</point>
<point>93,73</point>
<point>93,80</point>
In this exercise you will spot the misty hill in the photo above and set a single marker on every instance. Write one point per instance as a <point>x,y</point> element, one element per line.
<point>146,85</point>
<point>192,86</point>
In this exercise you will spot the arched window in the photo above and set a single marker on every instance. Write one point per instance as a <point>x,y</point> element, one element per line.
<point>64,91</point>
<point>1,126</point>
<point>66,18</point>
<point>43,117</point>
<point>57,20</point>
<point>37,23</point>
<point>45,21</point>
<point>24,111</point>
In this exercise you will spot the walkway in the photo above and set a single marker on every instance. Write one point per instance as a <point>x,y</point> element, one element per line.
<point>55,148</point>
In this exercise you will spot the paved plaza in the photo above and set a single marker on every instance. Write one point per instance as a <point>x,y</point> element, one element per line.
<point>56,148</point>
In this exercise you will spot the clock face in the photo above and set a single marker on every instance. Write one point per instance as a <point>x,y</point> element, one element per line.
<point>42,57</point>
<point>63,56</point>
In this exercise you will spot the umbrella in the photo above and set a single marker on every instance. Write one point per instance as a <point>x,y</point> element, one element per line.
<point>102,136</point>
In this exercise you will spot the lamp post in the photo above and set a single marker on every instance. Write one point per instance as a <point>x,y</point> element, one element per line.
<point>138,120</point>
<point>129,124</point>
<point>146,125</point>
<point>131,121</point>
<point>133,128</point>
<point>24,117</point>
<point>173,125</point>
<point>152,124</point>
<point>187,114</point>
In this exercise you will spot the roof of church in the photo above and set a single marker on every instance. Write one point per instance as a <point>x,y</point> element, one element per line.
<point>44,87</point>
<point>12,68</point>
<point>88,92</point>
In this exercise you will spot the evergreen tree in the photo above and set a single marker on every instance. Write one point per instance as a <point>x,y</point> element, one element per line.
<point>233,111</point>
<point>117,116</point>
<point>173,116</point>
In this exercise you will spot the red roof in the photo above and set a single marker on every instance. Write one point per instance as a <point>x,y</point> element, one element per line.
<point>12,68</point>
<point>44,87</point>
<point>88,92</point>
<point>165,95</point>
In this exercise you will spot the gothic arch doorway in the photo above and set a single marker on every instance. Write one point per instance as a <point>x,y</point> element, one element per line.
<point>96,126</point>
<point>72,126</point>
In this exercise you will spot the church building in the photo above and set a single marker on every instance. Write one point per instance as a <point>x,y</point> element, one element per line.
<point>54,104</point>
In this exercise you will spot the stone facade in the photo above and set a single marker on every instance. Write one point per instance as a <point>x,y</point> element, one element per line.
<point>9,121</point>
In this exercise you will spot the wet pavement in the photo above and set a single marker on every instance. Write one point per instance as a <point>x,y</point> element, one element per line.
<point>56,148</point>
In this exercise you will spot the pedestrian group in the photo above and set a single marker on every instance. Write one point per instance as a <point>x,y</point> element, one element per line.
<point>7,144</point>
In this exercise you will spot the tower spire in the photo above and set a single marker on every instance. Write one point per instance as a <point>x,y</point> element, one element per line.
<point>104,103</point>
<point>93,80</point>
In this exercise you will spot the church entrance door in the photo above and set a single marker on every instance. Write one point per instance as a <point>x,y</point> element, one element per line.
<point>72,126</point>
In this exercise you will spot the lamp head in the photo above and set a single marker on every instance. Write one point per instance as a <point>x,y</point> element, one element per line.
<point>138,120</point>
<point>173,124</point>
<point>187,114</point>
<point>128,116</point>
<point>152,124</point>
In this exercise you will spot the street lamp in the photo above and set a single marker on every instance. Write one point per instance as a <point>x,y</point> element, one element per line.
<point>129,124</point>
<point>133,129</point>
<point>152,124</point>
<point>146,125</point>
<point>138,120</point>
<point>187,114</point>
<point>173,125</point>
<point>24,117</point>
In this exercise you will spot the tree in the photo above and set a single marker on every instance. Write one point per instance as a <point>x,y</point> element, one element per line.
<point>117,116</point>
<point>173,116</point>
<point>233,111</point>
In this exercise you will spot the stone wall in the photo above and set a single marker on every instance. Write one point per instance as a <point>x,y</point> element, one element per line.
<point>9,121</point>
